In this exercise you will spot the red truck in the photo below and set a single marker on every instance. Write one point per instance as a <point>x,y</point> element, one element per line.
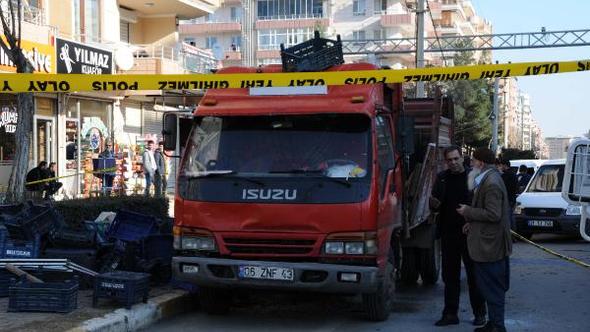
<point>306,189</point>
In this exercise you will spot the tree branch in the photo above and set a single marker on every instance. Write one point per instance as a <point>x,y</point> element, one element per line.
<point>7,50</point>
<point>20,23</point>
<point>7,32</point>
<point>13,20</point>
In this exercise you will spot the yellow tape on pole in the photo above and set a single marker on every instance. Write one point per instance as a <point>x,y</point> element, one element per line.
<point>79,82</point>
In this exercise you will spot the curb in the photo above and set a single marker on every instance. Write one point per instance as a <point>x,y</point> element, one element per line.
<point>140,315</point>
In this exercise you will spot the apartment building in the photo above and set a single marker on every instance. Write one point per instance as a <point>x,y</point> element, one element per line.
<point>557,146</point>
<point>103,37</point>
<point>249,32</point>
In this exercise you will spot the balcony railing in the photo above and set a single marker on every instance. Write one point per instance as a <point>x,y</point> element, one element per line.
<point>29,14</point>
<point>191,58</point>
<point>291,16</point>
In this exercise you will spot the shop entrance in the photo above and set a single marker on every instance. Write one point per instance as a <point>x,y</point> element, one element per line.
<point>43,134</point>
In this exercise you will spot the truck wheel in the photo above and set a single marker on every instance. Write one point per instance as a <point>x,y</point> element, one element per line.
<point>430,260</point>
<point>214,301</point>
<point>409,269</point>
<point>378,305</point>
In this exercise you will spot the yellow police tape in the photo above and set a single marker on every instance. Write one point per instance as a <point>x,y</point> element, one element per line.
<point>573,260</point>
<point>104,170</point>
<point>80,82</point>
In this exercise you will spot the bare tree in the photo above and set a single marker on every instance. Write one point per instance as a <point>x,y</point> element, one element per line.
<point>11,17</point>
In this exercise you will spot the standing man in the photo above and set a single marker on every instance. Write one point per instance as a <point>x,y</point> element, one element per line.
<point>510,181</point>
<point>450,190</point>
<point>149,166</point>
<point>488,237</point>
<point>109,175</point>
<point>160,175</point>
<point>523,178</point>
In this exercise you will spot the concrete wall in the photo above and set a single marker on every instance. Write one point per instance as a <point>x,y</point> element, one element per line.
<point>150,30</point>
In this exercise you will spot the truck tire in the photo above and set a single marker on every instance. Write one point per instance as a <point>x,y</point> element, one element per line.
<point>378,305</point>
<point>409,269</point>
<point>214,301</point>
<point>430,261</point>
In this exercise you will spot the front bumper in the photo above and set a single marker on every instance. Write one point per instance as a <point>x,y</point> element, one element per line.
<point>563,224</point>
<point>223,273</point>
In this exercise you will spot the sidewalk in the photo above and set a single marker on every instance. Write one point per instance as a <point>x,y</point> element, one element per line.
<point>164,302</point>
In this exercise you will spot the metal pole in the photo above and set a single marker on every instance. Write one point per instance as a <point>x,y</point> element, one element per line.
<point>495,117</point>
<point>420,45</point>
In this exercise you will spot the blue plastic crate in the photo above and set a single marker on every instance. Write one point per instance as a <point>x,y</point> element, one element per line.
<point>127,288</point>
<point>20,248</point>
<point>131,226</point>
<point>6,276</point>
<point>43,297</point>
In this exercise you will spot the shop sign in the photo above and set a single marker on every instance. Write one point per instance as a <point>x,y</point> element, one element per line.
<point>94,130</point>
<point>8,119</point>
<point>76,58</point>
<point>41,56</point>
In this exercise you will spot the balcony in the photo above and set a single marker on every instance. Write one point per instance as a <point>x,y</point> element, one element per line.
<point>183,9</point>
<point>159,59</point>
<point>268,54</point>
<point>209,28</point>
<point>397,20</point>
<point>292,23</point>
<point>232,55</point>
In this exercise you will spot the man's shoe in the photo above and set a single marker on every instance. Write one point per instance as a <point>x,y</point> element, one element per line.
<point>447,320</point>
<point>489,327</point>
<point>479,320</point>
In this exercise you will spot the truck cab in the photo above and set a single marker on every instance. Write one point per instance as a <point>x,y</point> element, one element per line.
<point>295,188</point>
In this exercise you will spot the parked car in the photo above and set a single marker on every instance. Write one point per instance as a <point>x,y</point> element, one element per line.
<point>541,209</point>
<point>532,164</point>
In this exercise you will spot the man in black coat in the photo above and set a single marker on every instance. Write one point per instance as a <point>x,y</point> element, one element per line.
<point>510,181</point>
<point>36,174</point>
<point>450,190</point>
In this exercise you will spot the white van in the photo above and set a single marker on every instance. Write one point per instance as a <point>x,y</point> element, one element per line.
<point>532,164</point>
<point>541,209</point>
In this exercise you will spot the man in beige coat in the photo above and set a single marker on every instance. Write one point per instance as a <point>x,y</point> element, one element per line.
<point>488,236</point>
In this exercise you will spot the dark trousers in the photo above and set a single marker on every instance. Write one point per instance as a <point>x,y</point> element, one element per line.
<point>493,280</point>
<point>454,249</point>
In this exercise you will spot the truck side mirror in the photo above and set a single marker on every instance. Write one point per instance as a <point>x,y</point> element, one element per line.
<point>404,132</point>
<point>169,131</point>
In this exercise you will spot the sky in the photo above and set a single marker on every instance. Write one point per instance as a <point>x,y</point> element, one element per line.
<point>560,103</point>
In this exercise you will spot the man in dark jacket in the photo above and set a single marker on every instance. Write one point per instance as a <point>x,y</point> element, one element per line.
<point>510,181</point>
<point>523,178</point>
<point>488,237</point>
<point>450,190</point>
<point>36,174</point>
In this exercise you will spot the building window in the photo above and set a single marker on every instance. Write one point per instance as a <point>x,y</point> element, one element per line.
<point>271,39</point>
<point>124,32</point>
<point>379,34</point>
<point>359,8</point>
<point>210,41</point>
<point>289,9</point>
<point>86,20</point>
<point>359,35</point>
<point>380,6</point>
<point>236,43</point>
<point>235,14</point>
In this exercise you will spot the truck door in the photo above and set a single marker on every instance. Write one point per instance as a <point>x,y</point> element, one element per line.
<point>386,181</point>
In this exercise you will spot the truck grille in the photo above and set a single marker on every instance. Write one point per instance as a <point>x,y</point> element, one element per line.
<point>269,246</point>
<point>540,212</point>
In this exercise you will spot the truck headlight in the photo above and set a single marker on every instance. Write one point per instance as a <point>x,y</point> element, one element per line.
<point>518,209</point>
<point>573,210</point>
<point>354,248</point>
<point>186,238</point>
<point>353,243</point>
<point>334,248</point>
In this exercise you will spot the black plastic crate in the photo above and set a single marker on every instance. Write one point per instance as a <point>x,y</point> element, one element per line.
<point>127,288</point>
<point>316,54</point>
<point>31,220</point>
<point>43,297</point>
<point>76,238</point>
<point>132,226</point>
<point>6,276</point>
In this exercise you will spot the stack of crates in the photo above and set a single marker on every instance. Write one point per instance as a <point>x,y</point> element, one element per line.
<point>316,54</point>
<point>43,297</point>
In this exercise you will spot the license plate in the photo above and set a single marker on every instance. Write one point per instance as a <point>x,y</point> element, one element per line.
<point>541,223</point>
<point>266,273</point>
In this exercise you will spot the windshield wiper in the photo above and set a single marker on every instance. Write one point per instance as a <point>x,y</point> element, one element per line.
<point>320,172</point>
<point>222,173</point>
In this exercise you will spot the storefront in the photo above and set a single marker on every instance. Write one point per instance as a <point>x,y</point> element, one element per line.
<point>43,144</point>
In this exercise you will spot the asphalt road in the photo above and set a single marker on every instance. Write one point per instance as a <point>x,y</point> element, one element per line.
<point>547,294</point>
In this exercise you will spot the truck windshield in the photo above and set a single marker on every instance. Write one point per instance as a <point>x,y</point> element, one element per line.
<point>328,145</point>
<point>549,178</point>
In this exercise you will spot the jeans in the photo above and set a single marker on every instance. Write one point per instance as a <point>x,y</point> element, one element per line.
<point>493,280</point>
<point>149,178</point>
<point>157,184</point>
